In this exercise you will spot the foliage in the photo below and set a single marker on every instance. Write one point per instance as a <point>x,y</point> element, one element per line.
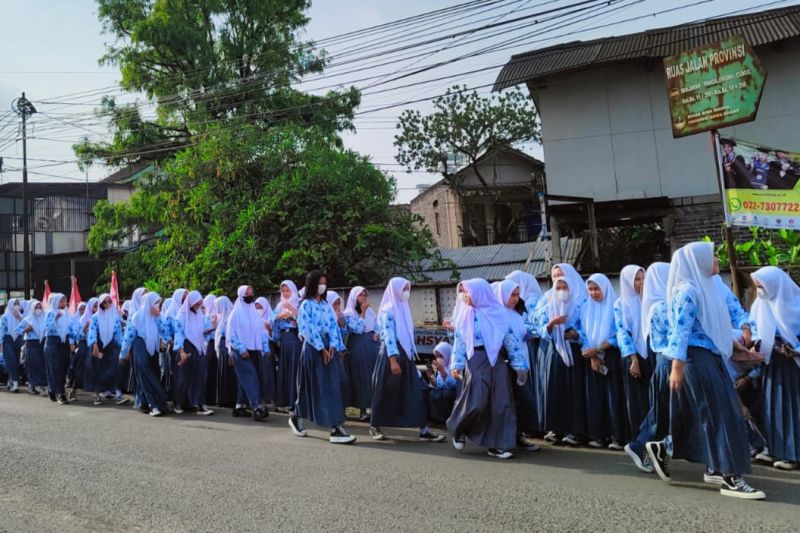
<point>625,245</point>
<point>765,247</point>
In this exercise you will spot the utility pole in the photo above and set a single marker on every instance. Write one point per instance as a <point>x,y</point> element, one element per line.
<point>24,108</point>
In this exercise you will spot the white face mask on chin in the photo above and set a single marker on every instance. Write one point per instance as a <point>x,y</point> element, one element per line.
<point>321,289</point>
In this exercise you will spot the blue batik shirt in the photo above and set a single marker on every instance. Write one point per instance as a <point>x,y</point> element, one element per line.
<point>131,334</point>
<point>659,328</point>
<point>94,332</point>
<point>316,322</point>
<point>517,351</point>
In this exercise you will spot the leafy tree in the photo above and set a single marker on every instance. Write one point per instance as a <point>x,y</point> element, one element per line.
<point>465,126</point>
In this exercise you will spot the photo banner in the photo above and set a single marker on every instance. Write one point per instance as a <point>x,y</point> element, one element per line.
<point>760,184</point>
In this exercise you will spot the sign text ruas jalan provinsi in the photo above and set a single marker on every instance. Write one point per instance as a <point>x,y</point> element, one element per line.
<point>713,86</point>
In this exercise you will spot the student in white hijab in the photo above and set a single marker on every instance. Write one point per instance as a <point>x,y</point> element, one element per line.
<point>227,384</point>
<point>605,392</point>
<point>707,425</point>
<point>143,338</point>
<point>33,331</point>
<point>484,337</point>
<point>190,344</point>
<point>284,334</point>
<point>776,313</point>
<point>397,398</point>
<point>637,363</point>
<point>11,341</point>
<point>59,340</point>
<point>103,340</point>
<point>247,341</point>
<point>444,387</point>
<point>77,367</point>
<point>363,347</point>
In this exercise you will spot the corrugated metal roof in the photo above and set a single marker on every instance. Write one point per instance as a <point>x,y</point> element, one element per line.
<point>496,261</point>
<point>757,28</point>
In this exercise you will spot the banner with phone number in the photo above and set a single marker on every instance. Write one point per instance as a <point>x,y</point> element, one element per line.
<point>761,184</point>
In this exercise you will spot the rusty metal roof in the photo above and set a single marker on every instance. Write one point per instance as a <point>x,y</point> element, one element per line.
<point>758,29</point>
<point>494,262</point>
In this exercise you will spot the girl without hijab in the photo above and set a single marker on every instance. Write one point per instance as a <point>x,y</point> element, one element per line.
<point>705,419</point>
<point>319,386</point>
<point>59,339</point>
<point>210,324</point>
<point>11,341</point>
<point>605,393</point>
<point>562,367</point>
<point>190,345</point>
<point>143,338</point>
<point>77,357</point>
<point>335,301</point>
<point>284,330</point>
<point>397,397</point>
<point>484,412</point>
<point>508,294</point>
<point>33,331</point>
<point>637,363</point>
<point>444,387</point>
<point>655,328</point>
<point>776,313</point>
<point>103,341</point>
<point>227,384</point>
<point>247,340</point>
<point>363,347</point>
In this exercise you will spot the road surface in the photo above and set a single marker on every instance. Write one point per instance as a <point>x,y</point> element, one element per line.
<point>108,468</point>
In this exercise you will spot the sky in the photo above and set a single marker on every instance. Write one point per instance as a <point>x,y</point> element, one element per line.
<point>51,49</point>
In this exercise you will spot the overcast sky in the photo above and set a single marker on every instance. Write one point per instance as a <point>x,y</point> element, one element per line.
<point>51,47</point>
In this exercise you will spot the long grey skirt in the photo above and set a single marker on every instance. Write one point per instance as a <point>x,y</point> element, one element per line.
<point>484,411</point>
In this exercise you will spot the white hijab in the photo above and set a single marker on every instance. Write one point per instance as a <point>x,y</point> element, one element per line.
<point>556,308</point>
<point>778,312</point>
<point>446,351</point>
<point>491,314</point>
<point>632,308</point>
<point>692,266</point>
<point>62,324</point>
<point>404,324</point>
<point>145,323</point>
<point>86,317</point>
<point>245,323</point>
<point>331,297</point>
<point>222,307</point>
<point>529,289</point>
<point>653,293</point>
<point>208,304</point>
<point>177,303</point>
<point>575,282</point>
<point>192,321</point>
<point>370,317</point>
<point>293,300</point>
<point>36,322</point>
<point>597,318</point>
<point>106,320</point>
<point>13,318</point>
<point>502,291</point>
<point>137,300</point>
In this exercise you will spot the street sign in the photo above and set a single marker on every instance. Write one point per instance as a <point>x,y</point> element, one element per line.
<point>713,86</point>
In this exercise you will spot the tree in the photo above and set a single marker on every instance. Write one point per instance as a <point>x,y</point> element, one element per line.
<point>465,126</point>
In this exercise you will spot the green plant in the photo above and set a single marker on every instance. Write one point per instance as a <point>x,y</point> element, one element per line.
<point>766,247</point>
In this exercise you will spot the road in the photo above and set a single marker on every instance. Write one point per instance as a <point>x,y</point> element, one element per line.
<point>108,468</point>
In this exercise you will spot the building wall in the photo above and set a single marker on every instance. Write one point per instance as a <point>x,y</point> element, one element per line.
<point>119,193</point>
<point>607,132</point>
<point>440,200</point>
<point>503,170</point>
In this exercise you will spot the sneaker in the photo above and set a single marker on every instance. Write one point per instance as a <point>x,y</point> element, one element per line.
<point>526,445</point>
<point>364,416</point>
<point>204,411</point>
<point>97,400</point>
<point>62,400</point>
<point>120,400</point>
<point>595,444</point>
<point>551,437</point>
<point>32,389</point>
<point>177,410</point>
<point>260,413</point>
<point>642,463</point>
<point>340,436</point>
<point>73,395</point>
<point>616,446</point>
<point>239,410</point>
<point>659,459</point>
<point>52,397</point>
<point>296,424</point>
<point>570,439</point>
<point>376,433</point>
<point>737,487</point>
<point>785,465</point>
<point>713,478</point>
<point>500,454</point>
<point>430,436</point>
<point>155,412</point>
<point>764,456</point>
<point>14,387</point>
<point>458,443</point>
<point>109,395</point>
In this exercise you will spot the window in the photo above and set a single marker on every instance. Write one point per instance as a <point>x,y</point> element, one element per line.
<point>436,219</point>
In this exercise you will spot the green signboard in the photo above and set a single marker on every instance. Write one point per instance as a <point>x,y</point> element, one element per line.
<point>713,86</point>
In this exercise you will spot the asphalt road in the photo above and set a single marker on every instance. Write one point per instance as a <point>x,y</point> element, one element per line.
<point>108,468</point>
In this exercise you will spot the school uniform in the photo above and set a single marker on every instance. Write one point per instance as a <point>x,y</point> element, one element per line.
<point>103,373</point>
<point>35,367</point>
<point>189,331</point>
<point>227,384</point>
<point>362,350</point>
<point>247,341</point>
<point>12,341</point>
<point>59,334</point>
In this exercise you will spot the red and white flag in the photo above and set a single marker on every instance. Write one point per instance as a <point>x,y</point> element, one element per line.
<point>46,296</point>
<point>114,290</point>
<point>74,296</point>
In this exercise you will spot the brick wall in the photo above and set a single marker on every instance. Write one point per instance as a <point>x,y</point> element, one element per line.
<point>439,199</point>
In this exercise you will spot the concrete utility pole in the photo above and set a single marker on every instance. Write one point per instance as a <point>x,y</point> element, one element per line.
<point>24,108</point>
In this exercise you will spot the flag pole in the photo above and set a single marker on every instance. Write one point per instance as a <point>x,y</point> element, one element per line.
<point>727,233</point>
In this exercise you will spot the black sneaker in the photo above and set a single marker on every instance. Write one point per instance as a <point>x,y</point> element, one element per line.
<point>659,459</point>
<point>713,478</point>
<point>62,400</point>
<point>73,396</point>
<point>376,433</point>
<point>430,436</point>
<point>32,389</point>
<point>526,445</point>
<point>52,397</point>
<point>260,413</point>
<point>500,454</point>
<point>737,487</point>
<point>641,462</point>
<point>240,411</point>
<point>340,436</point>
<point>296,425</point>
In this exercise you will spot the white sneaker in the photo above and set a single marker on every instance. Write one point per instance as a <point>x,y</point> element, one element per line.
<point>120,400</point>
<point>713,478</point>
<point>296,425</point>
<point>570,439</point>
<point>594,444</point>
<point>764,456</point>
<point>177,410</point>
<point>204,411</point>
<point>616,446</point>
<point>155,412</point>
<point>14,387</point>
<point>458,443</point>
<point>500,454</point>
<point>551,437</point>
<point>785,465</point>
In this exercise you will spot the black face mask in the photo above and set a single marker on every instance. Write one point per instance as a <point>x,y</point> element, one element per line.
<point>248,299</point>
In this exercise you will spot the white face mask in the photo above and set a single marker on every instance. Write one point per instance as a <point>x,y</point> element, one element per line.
<point>405,295</point>
<point>38,312</point>
<point>562,295</point>
<point>761,293</point>
<point>321,289</point>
